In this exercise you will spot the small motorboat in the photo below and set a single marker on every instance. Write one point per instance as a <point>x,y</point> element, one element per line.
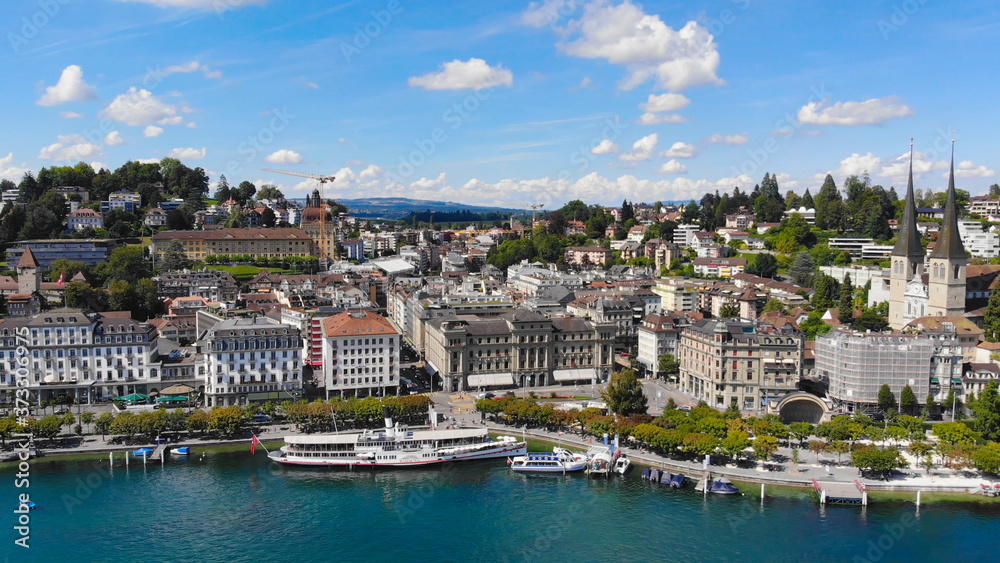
<point>622,465</point>
<point>142,452</point>
<point>29,504</point>
<point>677,481</point>
<point>665,478</point>
<point>559,461</point>
<point>645,473</point>
<point>722,486</point>
<point>183,450</point>
<point>654,475</point>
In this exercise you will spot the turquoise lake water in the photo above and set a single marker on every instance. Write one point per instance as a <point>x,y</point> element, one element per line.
<point>234,507</point>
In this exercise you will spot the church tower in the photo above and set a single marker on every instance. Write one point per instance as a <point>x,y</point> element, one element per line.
<point>906,257</point>
<point>948,260</point>
<point>27,273</point>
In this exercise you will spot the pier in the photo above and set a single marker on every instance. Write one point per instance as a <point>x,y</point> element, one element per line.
<point>841,493</point>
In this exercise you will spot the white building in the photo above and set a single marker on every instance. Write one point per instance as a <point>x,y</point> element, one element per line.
<point>84,218</point>
<point>979,242</point>
<point>684,234</point>
<point>658,335</point>
<point>808,214</point>
<point>360,354</point>
<point>253,359</point>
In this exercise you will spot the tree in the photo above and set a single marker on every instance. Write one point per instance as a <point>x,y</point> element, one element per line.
<point>908,401</point>
<point>774,305</point>
<point>268,191</point>
<point>103,423</point>
<point>886,398</point>
<point>624,395</point>
<point>987,410</point>
<point>991,321</point>
<point>735,442</point>
<point>840,448</point>
<point>47,427</point>
<point>987,458</point>
<point>872,458</point>
<point>930,405</point>
<point>127,263</point>
<point>800,431</point>
<point>803,269</point>
<point>68,267</point>
<point>227,420</point>
<point>268,218</point>
<point>80,294</point>
<point>954,433</point>
<point>765,266</point>
<point>870,320</point>
<point>175,258</point>
<point>817,447</point>
<point>764,447</point>
<point>198,421</point>
<point>846,301</point>
<point>178,220</point>
<point>729,310</point>
<point>667,364</point>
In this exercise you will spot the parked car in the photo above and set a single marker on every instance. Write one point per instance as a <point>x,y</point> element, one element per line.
<point>63,410</point>
<point>261,418</point>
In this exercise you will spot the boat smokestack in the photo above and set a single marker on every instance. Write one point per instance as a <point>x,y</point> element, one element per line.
<point>387,415</point>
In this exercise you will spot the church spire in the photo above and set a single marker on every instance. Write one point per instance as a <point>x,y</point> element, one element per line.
<point>908,243</point>
<point>949,242</point>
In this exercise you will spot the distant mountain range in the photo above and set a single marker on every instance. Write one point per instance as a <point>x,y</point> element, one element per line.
<point>400,207</point>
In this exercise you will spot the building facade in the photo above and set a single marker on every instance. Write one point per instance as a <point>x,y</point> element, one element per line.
<point>360,355</point>
<point>271,243</point>
<point>746,364</point>
<point>252,359</point>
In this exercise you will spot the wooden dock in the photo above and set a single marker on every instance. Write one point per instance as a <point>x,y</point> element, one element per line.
<point>159,452</point>
<point>841,493</point>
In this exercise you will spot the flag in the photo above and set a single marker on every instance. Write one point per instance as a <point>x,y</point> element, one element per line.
<point>62,279</point>
<point>509,461</point>
<point>253,444</point>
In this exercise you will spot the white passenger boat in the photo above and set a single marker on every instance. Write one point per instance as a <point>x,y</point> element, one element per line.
<point>622,465</point>
<point>559,461</point>
<point>395,446</point>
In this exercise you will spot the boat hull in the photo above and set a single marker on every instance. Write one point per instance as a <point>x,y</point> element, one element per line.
<point>515,449</point>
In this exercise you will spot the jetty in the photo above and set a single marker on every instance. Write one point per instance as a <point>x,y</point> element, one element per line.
<point>836,492</point>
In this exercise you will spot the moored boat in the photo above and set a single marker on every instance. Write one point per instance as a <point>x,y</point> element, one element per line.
<point>142,452</point>
<point>183,450</point>
<point>677,481</point>
<point>395,446</point>
<point>722,486</point>
<point>665,478</point>
<point>559,461</point>
<point>622,465</point>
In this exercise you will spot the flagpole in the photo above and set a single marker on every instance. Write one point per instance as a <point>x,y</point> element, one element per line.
<point>261,443</point>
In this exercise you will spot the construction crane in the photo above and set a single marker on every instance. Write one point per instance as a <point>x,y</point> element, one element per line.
<point>534,209</point>
<point>323,232</point>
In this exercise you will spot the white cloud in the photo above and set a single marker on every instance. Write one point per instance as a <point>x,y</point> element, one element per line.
<point>966,169</point>
<point>141,107</point>
<point>868,112</point>
<point>192,67</point>
<point>187,154</point>
<point>549,11</point>
<point>152,131</point>
<point>656,119</point>
<point>114,139</point>
<point>461,75</point>
<point>679,150</point>
<point>371,172</point>
<point>740,139</point>
<point>98,166</point>
<point>70,147</point>
<point>858,164</point>
<point>785,181</point>
<point>641,149</point>
<point>898,167</point>
<point>284,156</point>
<point>644,45</point>
<point>8,171</point>
<point>71,114</point>
<point>426,183</point>
<point>673,166</point>
<point>191,125</point>
<point>312,85</point>
<point>665,102</point>
<point>148,160</point>
<point>218,5</point>
<point>605,147</point>
<point>585,83</point>
<point>70,88</point>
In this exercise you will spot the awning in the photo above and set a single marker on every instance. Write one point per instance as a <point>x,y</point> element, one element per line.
<point>586,374</point>
<point>178,389</point>
<point>431,369</point>
<point>491,380</point>
<point>133,397</point>
<point>172,400</point>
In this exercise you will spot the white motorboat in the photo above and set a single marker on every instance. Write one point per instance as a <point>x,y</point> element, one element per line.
<point>622,465</point>
<point>395,446</point>
<point>559,461</point>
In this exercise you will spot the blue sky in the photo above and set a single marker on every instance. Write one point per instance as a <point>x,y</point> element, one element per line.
<point>506,101</point>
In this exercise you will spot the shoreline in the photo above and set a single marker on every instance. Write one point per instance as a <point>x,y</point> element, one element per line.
<point>790,487</point>
<point>91,454</point>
